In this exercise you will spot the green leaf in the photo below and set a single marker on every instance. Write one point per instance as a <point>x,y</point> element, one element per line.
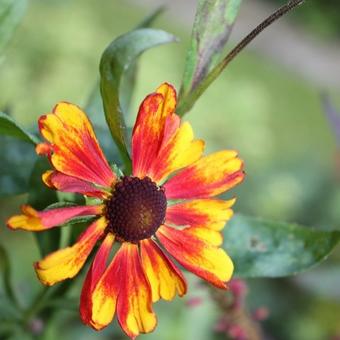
<point>8,127</point>
<point>40,196</point>
<point>94,109</point>
<point>6,328</point>
<point>127,87</point>
<point>94,105</point>
<point>116,59</point>
<point>11,13</point>
<point>66,303</point>
<point>261,248</point>
<point>150,19</point>
<point>189,98</point>
<point>214,21</point>
<point>17,160</point>
<point>5,270</point>
<point>128,81</point>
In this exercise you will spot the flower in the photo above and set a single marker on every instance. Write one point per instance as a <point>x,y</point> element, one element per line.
<point>164,210</point>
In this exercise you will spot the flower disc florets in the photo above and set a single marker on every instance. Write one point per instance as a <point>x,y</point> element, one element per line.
<point>136,209</point>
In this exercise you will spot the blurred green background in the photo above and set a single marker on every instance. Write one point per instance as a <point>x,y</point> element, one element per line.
<point>269,112</point>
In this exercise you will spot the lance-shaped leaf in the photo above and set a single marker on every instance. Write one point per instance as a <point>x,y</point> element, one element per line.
<point>212,27</point>
<point>189,96</point>
<point>11,12</point>
<point>116,59</point>
<point>94,106</point>
<point>129,80</point>
<point>8,127</point>
<point>262,248</point>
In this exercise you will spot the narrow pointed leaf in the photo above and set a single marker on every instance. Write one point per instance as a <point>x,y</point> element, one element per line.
<point>191,95</point>
<point>116,59</point>
<point>128,82</point>
<point>150,19</point>
<point>261,248</point>
<point>8,127</point>
<point>94,105</point>
<point>214,21</point>
<point>11,13</point>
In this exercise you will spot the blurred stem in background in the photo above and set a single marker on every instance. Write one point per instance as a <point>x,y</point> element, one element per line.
<point>37,305</point>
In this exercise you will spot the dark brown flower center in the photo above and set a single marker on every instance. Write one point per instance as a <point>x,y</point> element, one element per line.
<point>136,209</point>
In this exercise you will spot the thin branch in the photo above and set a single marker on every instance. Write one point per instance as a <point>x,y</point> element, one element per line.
<point>263,25</point>
<point>185,104</point>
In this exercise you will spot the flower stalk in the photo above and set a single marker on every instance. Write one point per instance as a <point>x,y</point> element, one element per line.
<point>185,104</point>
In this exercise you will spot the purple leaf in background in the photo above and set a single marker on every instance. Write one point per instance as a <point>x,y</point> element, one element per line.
<point>333,115</point>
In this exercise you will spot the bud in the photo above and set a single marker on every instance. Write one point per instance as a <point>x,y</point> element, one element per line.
<point>238,287</point>
<point>194,302</point>
<point>237,332</point>
<point>261,314</point>
<point>36,326</point>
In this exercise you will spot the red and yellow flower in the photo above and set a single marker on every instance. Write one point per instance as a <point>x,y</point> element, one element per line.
<point>166,209</point>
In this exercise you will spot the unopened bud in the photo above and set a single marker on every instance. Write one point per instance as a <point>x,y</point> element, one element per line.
<point>261,314</point>
<point>237,332</point>
<point>36,326</point>
<point>194,302</point>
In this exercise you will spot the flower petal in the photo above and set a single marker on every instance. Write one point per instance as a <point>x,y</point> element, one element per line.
<point>105,293</point>
<point>211,213</point>
<point>178,152</point>
<point>66,263</point>
<point>94,274</point>
<point>44,149</point>
<point>124,287</point>
<point>198,256</point>
<point>58,181</point>
<point>164,277</point>
<point>76,151</point>
<point>209,176</point>
<point>213,237</point>
<point>134,305</point>
<point>149,129</point>
<point>171,125</point>
<point>34,220</point>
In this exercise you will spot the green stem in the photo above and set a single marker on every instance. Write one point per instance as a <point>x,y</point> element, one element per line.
<point>126,160</point>
<point>38,303</point>
<point>186,103</point>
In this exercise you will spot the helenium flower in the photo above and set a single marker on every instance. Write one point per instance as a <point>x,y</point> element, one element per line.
<point>164,210</point>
